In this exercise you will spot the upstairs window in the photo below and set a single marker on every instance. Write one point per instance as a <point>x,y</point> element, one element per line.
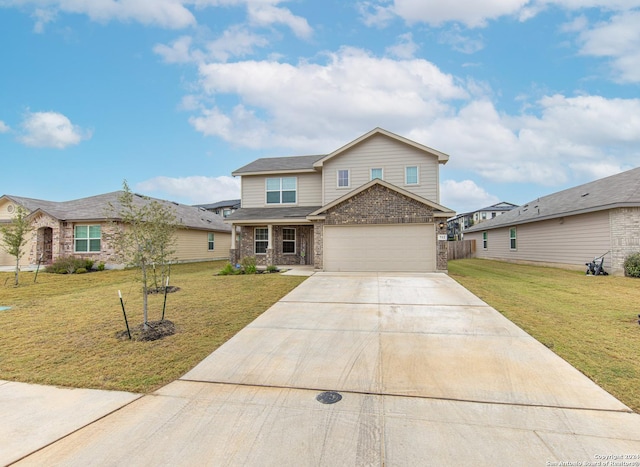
<point>282,190</point>
<point>376,173</point>
<point>411,175</point>
<point>343,178</point>
<point>512,238</point>
<point>211,241</point>
<point>87,238</point>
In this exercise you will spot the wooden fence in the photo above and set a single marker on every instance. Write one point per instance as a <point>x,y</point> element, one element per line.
<point>462,249</point>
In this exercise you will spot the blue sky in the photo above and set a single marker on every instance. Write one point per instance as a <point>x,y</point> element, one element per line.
<point>528,97</point>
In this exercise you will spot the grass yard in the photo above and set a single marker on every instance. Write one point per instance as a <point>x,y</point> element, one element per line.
<point>592,322</point>
<point>61,330</point>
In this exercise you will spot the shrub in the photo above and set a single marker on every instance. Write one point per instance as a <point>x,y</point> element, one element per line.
<point>249,265</point>
<point>632,265</point>
<point>81,270</point>
<point>272,268</point>
<point>228,270</point>
<point>69,265</point>
<point>100,266</point>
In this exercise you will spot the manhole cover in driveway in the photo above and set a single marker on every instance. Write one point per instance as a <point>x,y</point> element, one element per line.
<point>328,397</point>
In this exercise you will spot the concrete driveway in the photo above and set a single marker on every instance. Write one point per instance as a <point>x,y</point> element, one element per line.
<point>428,374</point>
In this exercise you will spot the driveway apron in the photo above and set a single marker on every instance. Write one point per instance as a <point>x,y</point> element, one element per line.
<point>425,373</point>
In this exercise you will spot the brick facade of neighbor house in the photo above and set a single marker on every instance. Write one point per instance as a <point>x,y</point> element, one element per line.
<point>62,240</point>
<point>625,225</point>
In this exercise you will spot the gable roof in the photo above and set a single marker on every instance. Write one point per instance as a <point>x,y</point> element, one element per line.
<point>95,208</point>
<point>616,191</point>
<point>297,164</point>
<point>439,210</point>
<point>279,165</point>
<point>233,203</point>
<point>442,157</point>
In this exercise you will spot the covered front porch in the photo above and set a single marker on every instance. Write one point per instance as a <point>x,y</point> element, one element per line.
<point>273,244</point>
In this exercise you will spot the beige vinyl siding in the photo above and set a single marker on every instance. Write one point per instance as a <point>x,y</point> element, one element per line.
<point>389,155</point>
<point>569,241</point>
<point>8,260</point>
<point>309,188</point>
<point>193,245</point>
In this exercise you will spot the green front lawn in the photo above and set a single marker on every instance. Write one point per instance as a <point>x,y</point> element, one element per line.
<point>61,330</point>
<point>592,322</point>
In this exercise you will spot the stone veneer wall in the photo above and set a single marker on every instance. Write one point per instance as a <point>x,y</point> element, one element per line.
<point>625,236</point>
<point>63,241</point>
<point>275,256</point>
<point>380,205</point>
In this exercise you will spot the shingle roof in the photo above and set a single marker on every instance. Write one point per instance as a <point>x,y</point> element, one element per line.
<point>276,164</point>
<point>220,204</point>
<point>295,212</point>
<point>621,190</point>
<point>96,208</point>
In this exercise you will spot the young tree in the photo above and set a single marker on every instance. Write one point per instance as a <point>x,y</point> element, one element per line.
<point>15,236</point>
<point>144,232</point>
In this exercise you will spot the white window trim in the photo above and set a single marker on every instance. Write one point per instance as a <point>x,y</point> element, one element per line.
<point>255,240</point>
<point>211,241</point>
<point>381,173</point>
<point>348,185</point>
<point>417,175</point>
<point>267,191</point>
<point>295,238</point>
<point>485,240</point>
<point>513,239</point>
<point>88,239</point>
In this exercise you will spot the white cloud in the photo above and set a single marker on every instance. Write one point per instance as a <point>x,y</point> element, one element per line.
<point>50,130</point>
<point>374,14</point>
<point>196,190</point>
<point>465,195</point>
<point>266,15</point>
<point>472,13</point>
<point>352,91</point>
<point>236,41</point>
<point>4,128</point>
<point>619,40</point>
<point>405,48</point>
<point>164,13</point>
<point>461,42</point>
<point>178,52</point>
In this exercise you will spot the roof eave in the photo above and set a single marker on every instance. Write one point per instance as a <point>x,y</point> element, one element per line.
<point>274,172</point>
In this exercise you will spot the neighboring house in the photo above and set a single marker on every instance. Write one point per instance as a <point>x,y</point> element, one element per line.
<point>78,228</point>
<point>372,205</point>
<point>568,228</point>
<point>222,208</point>
<point>458,224</point>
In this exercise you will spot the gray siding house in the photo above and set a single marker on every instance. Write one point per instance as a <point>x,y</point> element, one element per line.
<point>371,205</point>
<point>570,227</point>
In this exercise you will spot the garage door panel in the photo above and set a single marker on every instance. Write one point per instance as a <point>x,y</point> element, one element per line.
<point>384,248</point>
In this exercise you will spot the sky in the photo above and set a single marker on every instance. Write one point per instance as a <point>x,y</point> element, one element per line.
<point>527,97</point>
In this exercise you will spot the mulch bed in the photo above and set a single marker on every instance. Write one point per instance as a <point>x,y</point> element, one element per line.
<point>155,330</point>
<point>170,289</point>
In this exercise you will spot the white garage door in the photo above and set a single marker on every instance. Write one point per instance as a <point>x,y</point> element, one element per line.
<point>384,248</point>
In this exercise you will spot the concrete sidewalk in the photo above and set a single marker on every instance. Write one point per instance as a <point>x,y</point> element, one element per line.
<point>428,374</point>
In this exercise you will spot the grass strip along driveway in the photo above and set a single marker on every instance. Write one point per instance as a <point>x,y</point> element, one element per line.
<point>62,329</point>
<point>590,321</point>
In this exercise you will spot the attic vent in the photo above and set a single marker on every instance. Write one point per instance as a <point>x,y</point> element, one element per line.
<point>584,194</point>
<point>138,195</point>
<point>202,209</point>
<point>175,203</point>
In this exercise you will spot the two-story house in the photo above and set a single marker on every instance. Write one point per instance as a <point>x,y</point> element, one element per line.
<point>371,205</point>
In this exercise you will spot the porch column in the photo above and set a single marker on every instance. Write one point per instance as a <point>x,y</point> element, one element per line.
<point>270,245</point>
<point>233,252</point>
